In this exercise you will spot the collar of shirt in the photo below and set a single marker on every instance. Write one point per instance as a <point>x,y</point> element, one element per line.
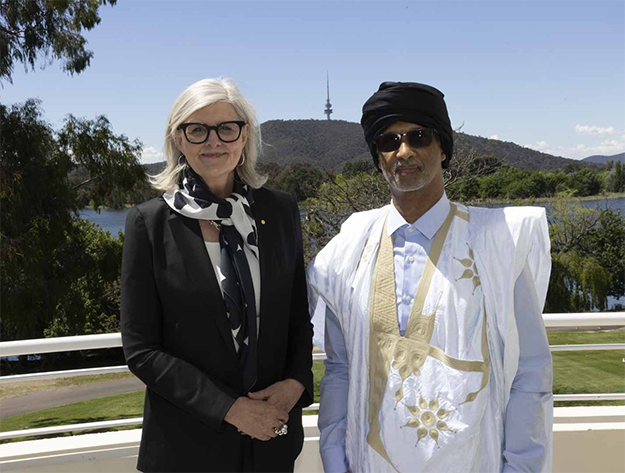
<point>428,224</point>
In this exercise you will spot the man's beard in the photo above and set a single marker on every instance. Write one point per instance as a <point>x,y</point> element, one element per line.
<point>414,181</point>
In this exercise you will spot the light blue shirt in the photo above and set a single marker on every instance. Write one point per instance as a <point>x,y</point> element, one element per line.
<point>526,441</point>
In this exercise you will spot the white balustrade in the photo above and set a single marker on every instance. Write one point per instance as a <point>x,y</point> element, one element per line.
<point>113,340</point>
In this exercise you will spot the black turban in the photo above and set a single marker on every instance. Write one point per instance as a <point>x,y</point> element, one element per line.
<point>407,102</point>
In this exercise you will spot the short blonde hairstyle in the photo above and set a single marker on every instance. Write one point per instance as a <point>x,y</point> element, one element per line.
<point>199,95</point>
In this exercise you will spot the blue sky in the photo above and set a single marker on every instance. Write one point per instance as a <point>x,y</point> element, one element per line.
<point>549,75</point>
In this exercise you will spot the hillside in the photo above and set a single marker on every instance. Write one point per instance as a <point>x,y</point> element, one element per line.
<point>322,143</point>
<point>329,144</point>
<point>604,159</point>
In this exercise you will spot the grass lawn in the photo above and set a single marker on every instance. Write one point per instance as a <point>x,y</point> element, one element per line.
<point>601,371</point>
<point>21,388</point>
<point>121,406</point>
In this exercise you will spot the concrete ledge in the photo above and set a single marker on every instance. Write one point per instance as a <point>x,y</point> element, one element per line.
<point>109,451</point>
<point>586,439</point>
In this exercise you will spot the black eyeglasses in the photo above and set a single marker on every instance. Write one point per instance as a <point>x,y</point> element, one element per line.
<point>418,138</point>
<point>198,133</point>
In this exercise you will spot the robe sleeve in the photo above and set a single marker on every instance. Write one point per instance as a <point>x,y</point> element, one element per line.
<point>529,414</point>
<point>323,288</point>
<point>334,394</point>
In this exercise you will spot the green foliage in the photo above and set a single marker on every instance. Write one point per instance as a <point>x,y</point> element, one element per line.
<point>578,284</point>
<point>615,177</point>
<point>606,243</point>
<point>352,168</point>
<point>90,264</point>
<point>336,200</point>
<point>59,274</point>
<point>271,170</point>
<point>585,182</point>
<point>300,180</point>
<point>588,257</point>
<point>110,161</point>
<point>52,28</point>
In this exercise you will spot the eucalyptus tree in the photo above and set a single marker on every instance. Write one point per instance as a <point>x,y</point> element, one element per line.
<point>30,29</point>
<point>58,274</point>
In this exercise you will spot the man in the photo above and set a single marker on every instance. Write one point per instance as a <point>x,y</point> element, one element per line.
<point>430,315</point>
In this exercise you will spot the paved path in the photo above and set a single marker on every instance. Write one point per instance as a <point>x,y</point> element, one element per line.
<point>58,397</point>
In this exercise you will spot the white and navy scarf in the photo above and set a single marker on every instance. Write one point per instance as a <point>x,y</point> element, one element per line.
<point>193,199</point>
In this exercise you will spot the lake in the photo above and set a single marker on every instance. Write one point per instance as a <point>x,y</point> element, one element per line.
<point>112,221</point>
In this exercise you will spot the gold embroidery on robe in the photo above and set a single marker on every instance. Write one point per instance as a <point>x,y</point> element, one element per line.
<point>407,354</point>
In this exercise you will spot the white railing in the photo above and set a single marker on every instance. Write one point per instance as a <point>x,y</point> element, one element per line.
<point>113,340</point>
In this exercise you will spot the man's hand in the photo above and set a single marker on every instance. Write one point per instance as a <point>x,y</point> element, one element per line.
<point>257,419</point>
<point>283,394</point>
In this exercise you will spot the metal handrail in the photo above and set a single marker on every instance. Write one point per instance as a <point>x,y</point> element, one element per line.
<point>585,347</point>
<point>58,429</point>
<point>37,346</point>
<point>586,319</point>
<point>63,374</point>
<point>114,340</point>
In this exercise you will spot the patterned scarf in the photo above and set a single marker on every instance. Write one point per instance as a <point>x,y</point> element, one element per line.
<point>193,199</point>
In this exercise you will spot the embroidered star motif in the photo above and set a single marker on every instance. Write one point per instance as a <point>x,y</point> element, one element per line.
<point>471,271</point>
<point>428,419</point>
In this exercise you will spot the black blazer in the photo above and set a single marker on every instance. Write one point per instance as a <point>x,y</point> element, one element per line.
<point>177,338</point>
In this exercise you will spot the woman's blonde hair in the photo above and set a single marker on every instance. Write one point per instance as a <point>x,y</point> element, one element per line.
<point>199,95</point>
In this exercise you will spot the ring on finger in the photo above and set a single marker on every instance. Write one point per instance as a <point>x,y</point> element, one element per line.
<point>282,430</point>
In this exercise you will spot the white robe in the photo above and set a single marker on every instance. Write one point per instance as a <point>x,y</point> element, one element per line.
<point>448,415</point>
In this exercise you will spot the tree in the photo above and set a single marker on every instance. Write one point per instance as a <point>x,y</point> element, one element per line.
<point>300,180</point>
<point>579,279</point>
<point>585,182</point>
<point>351,168</point>
<point>49,258</point>
<point>338,198</point>
<point>615,177</point>
<point>29,28</point>
<point>110,161</point>
<point>606,243</point>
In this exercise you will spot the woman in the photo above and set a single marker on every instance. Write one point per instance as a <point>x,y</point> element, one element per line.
<point>214,310</point>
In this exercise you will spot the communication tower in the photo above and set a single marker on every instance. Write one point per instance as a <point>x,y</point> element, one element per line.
<point>328,109</point>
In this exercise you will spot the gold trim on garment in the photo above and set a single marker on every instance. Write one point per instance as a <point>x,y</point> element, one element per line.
<point>407,354</point>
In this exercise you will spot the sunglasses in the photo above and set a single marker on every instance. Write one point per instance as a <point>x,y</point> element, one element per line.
<point>418,138</point>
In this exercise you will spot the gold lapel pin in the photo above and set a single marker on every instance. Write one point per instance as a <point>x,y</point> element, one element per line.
<point>262,222</point>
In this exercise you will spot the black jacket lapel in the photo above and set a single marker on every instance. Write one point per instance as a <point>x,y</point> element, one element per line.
<point>188,237</point>
<point>266,236</point>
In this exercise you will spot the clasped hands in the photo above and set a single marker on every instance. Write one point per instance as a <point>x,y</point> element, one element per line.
<point>258,414</point>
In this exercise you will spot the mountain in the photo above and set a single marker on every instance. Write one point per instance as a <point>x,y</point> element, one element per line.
<point>326,144</point>
<point>154,168</point>
<point>329,144</point>
<point>604,159</point>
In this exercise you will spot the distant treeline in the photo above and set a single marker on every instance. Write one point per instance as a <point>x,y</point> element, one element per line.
<point>481,178</point>
<point>472,179</point>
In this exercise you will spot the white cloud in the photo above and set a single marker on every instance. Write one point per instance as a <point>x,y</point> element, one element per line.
<point>580,151</point>
<point>151,155</point>
<point>594,130</point>
<point>494,137</point>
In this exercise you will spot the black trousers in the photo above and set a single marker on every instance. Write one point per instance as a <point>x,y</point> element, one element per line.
<point>281,465</point>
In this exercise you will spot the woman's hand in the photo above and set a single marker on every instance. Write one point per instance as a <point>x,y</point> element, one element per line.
<point>257,419</point>
<point>283,394</point>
